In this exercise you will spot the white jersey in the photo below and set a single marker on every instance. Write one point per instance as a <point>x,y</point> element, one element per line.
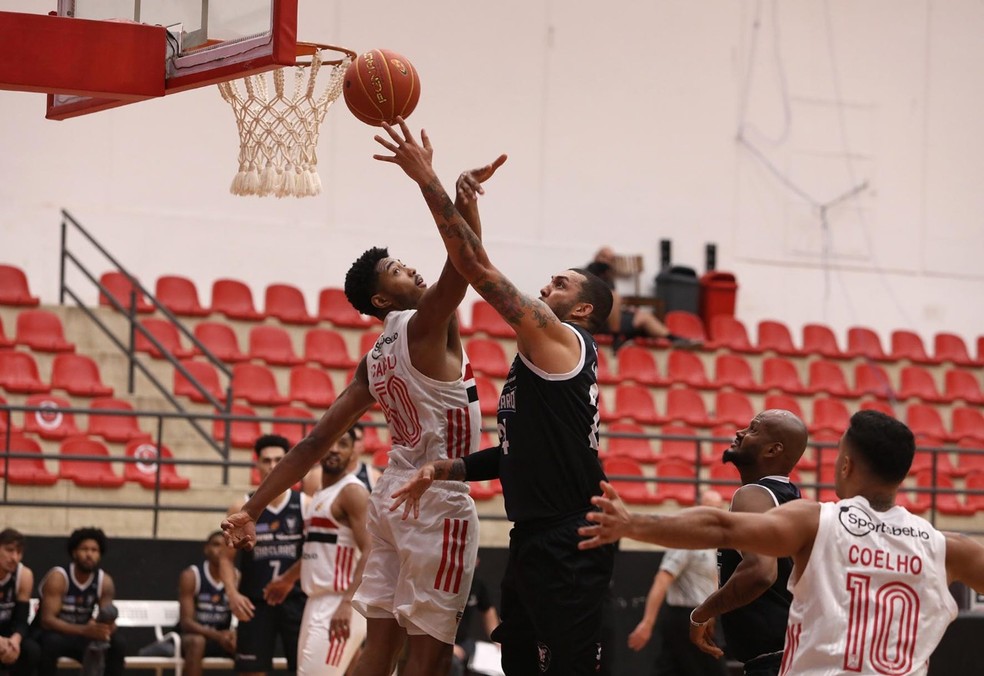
<point>330,553</point>
<point>873,598</point>
<point>428,419</point>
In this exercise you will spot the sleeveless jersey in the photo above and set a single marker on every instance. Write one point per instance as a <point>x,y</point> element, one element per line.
<point>8,599</point>
<point>79,601</point>
<point>759,628</point>
<point>428,419</point>
<point>873,598</point>
<point>279,536</point>
<point>548,430</point>
<point>211,602</point>
<point>330,552</point>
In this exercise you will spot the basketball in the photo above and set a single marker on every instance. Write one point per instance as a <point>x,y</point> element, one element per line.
<point>380,85</point>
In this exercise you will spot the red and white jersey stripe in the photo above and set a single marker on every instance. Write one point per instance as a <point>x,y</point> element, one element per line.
<point>873,597</point>
<point>330,553</point>
<point>428,419</point>
<point>336,649</point>
<point>448,576</point>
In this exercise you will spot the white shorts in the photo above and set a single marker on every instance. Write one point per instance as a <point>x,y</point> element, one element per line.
<point>419,571</point>
<point>317,654</point>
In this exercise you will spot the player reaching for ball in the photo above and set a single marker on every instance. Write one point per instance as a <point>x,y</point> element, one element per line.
<point>418,574</point>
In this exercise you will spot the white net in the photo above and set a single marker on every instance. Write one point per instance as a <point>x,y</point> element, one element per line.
<point>278,132</point>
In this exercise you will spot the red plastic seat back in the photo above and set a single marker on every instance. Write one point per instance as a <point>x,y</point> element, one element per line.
<point>179,295</point>
<point>14,289</point>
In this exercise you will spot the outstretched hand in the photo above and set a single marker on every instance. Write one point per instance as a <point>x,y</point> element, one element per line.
<point>239,530</point>
<point>409,493</point>
<point>470,182</point>
<point>613,520</point>
<point>414,158</point>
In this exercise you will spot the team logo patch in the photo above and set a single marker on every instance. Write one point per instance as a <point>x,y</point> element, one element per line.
<point>543,655</point>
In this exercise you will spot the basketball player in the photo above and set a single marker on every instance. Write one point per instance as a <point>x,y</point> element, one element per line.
<point>417,577</point>
<point>874,598</point>
<point>335,539</point>
<point>69,598</point>
<point>279,536</point>
<point>362,470</point>
<point>18,653</point>
<point>205,613</point>
<point>753,599</point>
<point>547,460</point>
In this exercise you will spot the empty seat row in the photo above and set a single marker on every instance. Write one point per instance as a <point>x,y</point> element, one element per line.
<point>39,330</point>
<point>76,374</point>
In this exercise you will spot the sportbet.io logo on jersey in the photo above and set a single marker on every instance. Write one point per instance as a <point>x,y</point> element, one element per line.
<point>859,523</point>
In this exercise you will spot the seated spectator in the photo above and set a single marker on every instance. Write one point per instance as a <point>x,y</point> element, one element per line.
<point>65,624</point>
<point>205,615</point>
<point>626,322</point>
<point>19,655</point>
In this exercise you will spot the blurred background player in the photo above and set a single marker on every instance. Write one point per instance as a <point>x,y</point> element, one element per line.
<point>19,654</point>
<point>205,614</point>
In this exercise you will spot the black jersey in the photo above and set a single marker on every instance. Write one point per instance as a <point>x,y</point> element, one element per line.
<point>211,602</point>
<point>362,474</point>
<point>279,538</point>
<point>760,627</point>
<point>79,601</point>
<point>8,599</point>
<point>548,429</point>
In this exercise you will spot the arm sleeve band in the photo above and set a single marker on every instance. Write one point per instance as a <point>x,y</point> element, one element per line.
<point>18,619</point>
<point>483,465</point>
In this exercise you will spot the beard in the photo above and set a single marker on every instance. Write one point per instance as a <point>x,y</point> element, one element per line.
<point>735,457</point>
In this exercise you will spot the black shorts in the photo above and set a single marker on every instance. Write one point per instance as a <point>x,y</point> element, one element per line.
<point>215,649</point>
<point>256,639</point>
<point>552,601</point>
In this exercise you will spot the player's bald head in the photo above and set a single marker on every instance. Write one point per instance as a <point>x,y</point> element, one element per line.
<point>786,428</point>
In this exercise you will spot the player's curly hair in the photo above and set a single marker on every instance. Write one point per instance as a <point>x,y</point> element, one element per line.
<point>885,444</point>
<point>361,280</point>
<point>596,292</point>
<point>91,533</point>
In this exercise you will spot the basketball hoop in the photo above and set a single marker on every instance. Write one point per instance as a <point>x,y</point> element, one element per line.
<point>278,134</point>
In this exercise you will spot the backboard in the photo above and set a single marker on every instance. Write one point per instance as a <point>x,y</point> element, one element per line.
<point>98,54</point>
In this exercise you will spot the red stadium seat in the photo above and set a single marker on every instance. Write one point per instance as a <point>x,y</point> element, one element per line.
<point>975,482</point>
<point>967,423</point>
<point>681,449</point>
<point>918,383</point>
<point>293,432</point>
<point>605,374</point>
<point>486,319</point>
<point>732,370</point>
<point>963,386</point>
<point>928,450</point>
<point>5,342</point>
<point>5,419</point>
<point>78,375</point>
<point>327,348</point>
<point>41,331</point>
<point>179,295</point>
<point>234,299</point>
<point>872,380</point>
<point>380,458</point>
<point>334,307</point>
<point>373,440</point>
<point>119,287</point>
<point>256,385</point>
<point>784,403</point>
<point>829,414</point>
<point>688,369</point>
<point>684,494</point>
<point>865,343</point>
<point>686,325</point>
<point>686,406</point>
<point>827,454</point>
<point>781,374</point>
<point>946,503</point>
<point>722,471</point>
<point>221,341</point>
<point>827,377</point>
<point>206,375</point>
<point>144,472</point>
<point>970,456</point>
<point>311,386</point>
<point>604,410</point>
<point>951,347</point>
<point>14,289</point>
<point>639,449</point>
<point>636,403</point>
<point>632,492</point>
<point>925,419</point>
<point>774,336</point>
<point>734,408</point>
<point>19,373</point>
<point>728,333</point>
<point>273,345</point>
<point>722,438</point>
<point>820,340</point>
<point>242,433</point>
<point>88,473</point>
<point>487,357</point>
<point>49,423</point>
<point>24,471</point>
<point>166,334</point>
<point>488,395</point>
<point>118,428</point>
<point>637,364</point>
<point>286,303</point>
<point>980,351</point>
<point>908,345</point>
<point>367,341</point>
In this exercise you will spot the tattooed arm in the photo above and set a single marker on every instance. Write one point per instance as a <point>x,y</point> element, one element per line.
<point>541,337</point>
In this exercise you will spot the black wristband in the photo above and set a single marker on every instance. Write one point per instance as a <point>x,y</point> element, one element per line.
<point>483,465</point>
<point>18,618</point>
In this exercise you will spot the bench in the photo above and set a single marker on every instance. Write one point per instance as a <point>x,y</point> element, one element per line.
<point>158,615</point>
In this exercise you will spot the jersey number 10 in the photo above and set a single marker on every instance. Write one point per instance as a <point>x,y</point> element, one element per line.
<point>896,607</point>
